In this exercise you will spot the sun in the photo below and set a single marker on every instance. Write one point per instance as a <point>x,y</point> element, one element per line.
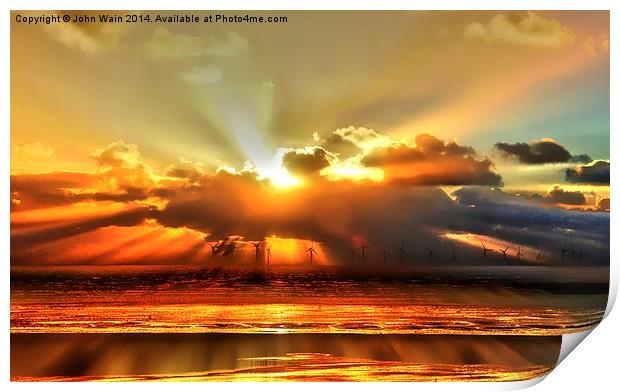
<point>280,178</point>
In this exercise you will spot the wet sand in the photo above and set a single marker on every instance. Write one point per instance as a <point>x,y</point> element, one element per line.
<point>279,357</point>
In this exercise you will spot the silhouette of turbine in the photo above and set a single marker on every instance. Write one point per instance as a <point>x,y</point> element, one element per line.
<point>519,254</point>
<point>363,247</point>
<point>257,247</point>
<point>213,247</point>
<point>385,254</point>
<point>231,249</point>
<point>311,251</point>
<point>504,251</point>
<point>353,255</point>
<point>430,253</point>
<point>485,250</point>
<point>269,253</point>
<point>402,252</point>
<point>563,250</point>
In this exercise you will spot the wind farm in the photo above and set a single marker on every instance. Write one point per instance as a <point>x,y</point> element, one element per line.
<point>376,256</point>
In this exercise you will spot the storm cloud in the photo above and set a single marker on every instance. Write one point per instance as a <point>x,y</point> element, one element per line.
<point>561,196</point>
<point>539,152</point>
<point>306,161</point>
<point>337,214</point>
<point>432,161</point>
<point>597,172</point>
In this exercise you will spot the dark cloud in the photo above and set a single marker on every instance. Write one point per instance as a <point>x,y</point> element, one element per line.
<point>581,158</point>
<point>512,218</point>
<point>47,189</point>
<point>560,196</point>
<point>347,142</point>
<point>433,162</point>
<point>332,213</point>
<point>23,242</point>
<point>539,152</point>
<point>337,144</point>
<point>338,214</point>
<point>308,161</point>
<point>186,169</point>
<point>597,172</point>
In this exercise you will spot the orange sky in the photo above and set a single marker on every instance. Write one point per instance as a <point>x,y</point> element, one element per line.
<point>132,144</point>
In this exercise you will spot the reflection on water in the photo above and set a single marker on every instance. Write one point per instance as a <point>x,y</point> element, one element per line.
<point>300,318</point>
<point>274,357</point>
<point>192,324</point>
<point>193,300</point>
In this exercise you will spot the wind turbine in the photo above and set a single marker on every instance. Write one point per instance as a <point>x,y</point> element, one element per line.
<point>363,247</point>
<point>430,253</point>
<point>257,246</point>
<point>453,252</point>
<point>385,254</point>
<point>269,253</point>
<point>519,254</point>
<point>232,249</point>
<point>311,251</point>
<point>402,252</point>
<point>504,251</point>
<point>213,248</point>
<point>485,250</point>
<point>229,248</point>
<point>353,254</point>
<point>564,250</point>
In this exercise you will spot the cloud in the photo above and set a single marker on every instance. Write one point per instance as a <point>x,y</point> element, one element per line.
<point>91,38</point>
<point>558,195</point>
<point>307,161</point>
<point>118,154</point>
<point>596,172</point>
<point>187,169</point>
<point>24,242</point>
<point>29,156</point>
<point>360,137</point>
<point>525,221</point>
<point>338,144</point>
<point>123,175</point>
<point>432,162</point>
<point>530,29</point>
<point>32,150</point>
<point>32,191</point>
<point>203,75</point>
<point>539,152</point>
<point>596,46</point>
<point>166,44</point>
<point>121,169</point>
<point>328,211</point>
<point>336,214</point>
<point>603,204</point>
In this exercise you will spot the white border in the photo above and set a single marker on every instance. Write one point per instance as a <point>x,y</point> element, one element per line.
<point>594,364</point>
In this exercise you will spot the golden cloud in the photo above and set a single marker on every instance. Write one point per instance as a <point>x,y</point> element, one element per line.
<point>163,43</point>
<point>530,29</point>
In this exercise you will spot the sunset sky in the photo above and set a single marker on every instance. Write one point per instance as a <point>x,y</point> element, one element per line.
<point>131,143</point>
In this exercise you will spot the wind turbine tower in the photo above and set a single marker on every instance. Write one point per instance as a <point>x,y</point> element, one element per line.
<point>311,251</point>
